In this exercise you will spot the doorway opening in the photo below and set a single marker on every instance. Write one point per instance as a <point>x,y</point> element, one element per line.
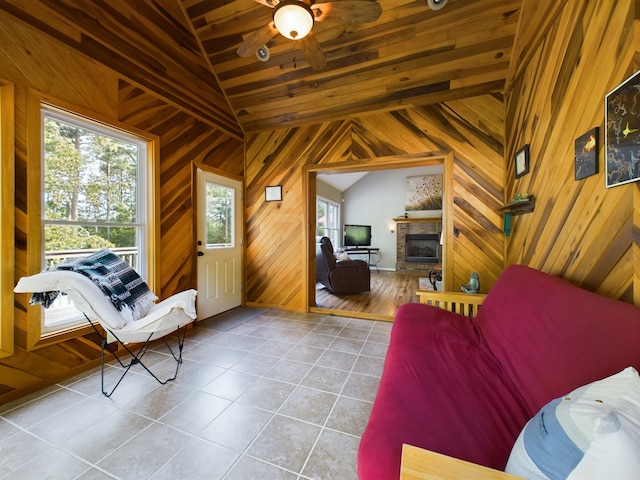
<point>399,287</point>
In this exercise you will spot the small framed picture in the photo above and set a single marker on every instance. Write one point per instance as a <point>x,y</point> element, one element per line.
<point>587,154</point>
<point>521,159</point>
<point>273,193</point>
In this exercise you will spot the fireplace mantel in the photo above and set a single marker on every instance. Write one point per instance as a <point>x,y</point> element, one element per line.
<point>417,219</point>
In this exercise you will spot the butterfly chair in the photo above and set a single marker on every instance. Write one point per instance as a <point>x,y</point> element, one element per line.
<point>131,324</point>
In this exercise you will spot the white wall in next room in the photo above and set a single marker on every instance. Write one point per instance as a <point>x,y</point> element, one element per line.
<point>376,199</point>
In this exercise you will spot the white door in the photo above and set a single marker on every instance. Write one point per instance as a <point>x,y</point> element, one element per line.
<point>219,244</point>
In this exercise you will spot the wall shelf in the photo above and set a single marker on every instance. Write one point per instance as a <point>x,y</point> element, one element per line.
<point>416,219</point>
<point>520,207</point>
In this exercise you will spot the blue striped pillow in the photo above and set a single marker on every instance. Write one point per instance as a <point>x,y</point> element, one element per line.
<point>591,433</point>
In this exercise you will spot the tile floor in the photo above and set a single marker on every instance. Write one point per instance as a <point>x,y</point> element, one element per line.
<point>283,396</point>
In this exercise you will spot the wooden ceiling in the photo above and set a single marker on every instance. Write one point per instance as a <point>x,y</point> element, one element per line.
<point>185,50</point>
<point>410,56</point>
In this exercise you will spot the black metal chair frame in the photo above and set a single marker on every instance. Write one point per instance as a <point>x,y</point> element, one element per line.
<point>136,357</point>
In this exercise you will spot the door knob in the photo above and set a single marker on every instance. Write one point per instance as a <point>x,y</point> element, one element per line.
<point>200,254</point>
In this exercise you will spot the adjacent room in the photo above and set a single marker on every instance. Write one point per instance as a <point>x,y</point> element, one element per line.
<point>365,225</point>
<point>287,194</point>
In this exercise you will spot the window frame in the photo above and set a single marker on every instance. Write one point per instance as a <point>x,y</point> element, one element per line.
<point>36,337</point>
<point>56,115</point>
<point>7,217</point>
<point>335,238</point>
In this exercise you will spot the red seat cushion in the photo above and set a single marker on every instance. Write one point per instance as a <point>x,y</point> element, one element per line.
<point>442,390</point>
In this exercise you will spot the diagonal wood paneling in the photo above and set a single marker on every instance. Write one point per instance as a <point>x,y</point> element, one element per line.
<point>579,230</point>
<point>26,54</point>
<point>471,128</point>
<point>274,230</point>
<point>477,190</point>
<point>148,42</point>
<point>183,140</point>
<point>410,56</point>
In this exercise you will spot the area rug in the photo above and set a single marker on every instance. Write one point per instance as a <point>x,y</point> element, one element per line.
<point>230,319</point>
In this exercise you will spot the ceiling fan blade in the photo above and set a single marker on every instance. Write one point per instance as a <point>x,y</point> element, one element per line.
<point>267,3</point>
<point>348,11</point>
<point>313,51</point>
<point>256,40</point>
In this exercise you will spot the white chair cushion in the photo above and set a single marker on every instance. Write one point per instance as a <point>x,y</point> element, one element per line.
<point>88,298</point>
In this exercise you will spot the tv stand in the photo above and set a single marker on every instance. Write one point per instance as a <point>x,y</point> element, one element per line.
<point>368,251</point>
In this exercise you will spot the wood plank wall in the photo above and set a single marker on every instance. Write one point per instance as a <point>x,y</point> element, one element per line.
<point>31,60</point>
<point>149,40</point>
<point>567,56</point>
<point>183,139</point>
<point>472,129</point>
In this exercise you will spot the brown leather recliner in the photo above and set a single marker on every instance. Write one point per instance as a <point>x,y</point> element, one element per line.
<point>340,276</point>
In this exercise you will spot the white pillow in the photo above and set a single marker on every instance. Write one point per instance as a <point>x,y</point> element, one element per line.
<point>342,256</point>
<point>591,433</point>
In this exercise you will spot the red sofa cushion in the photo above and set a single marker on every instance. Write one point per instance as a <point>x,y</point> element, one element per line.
<point>551,337</point>
<point>442,390</point>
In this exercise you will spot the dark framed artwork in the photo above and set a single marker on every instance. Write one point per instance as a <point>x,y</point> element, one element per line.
<point>622,132</point>
<point>273,193</point>
<point>521,159</point>
<point>586,160</point>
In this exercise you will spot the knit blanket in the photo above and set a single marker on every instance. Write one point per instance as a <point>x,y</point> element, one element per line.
<point>115,278</point>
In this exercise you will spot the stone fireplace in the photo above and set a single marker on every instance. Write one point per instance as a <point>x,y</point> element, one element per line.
<point>418,245</point>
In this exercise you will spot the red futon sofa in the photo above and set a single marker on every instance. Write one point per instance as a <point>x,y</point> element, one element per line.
<point>466,387</point>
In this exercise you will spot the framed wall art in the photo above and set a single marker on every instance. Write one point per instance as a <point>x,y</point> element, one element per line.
<point>521,160</point>
<point>423,195</point>
<point>622,132</point>
<point>586,156</point>
<point>273,193</point>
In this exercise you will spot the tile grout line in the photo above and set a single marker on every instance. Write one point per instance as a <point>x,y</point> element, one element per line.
<point>255,438</point>
<point>324,426</point>
<point>299,384</point>
<point>285,324</point>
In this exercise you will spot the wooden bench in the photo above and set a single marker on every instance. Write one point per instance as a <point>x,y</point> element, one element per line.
<point>466,304</point>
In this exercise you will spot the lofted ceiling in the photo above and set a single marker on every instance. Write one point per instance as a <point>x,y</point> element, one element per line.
<point>185,50</point>
<point>410,56</point>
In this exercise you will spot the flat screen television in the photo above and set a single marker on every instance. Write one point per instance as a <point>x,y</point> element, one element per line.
<point>357,235</point>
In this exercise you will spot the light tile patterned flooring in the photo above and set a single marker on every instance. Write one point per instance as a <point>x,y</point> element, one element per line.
<point>283,396</point>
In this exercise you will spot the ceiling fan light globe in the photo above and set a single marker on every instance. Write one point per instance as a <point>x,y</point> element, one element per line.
<point>436,4</point>
<point>293,19</point>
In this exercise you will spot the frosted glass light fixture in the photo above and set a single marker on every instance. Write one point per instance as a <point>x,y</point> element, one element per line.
<point>293,19</point>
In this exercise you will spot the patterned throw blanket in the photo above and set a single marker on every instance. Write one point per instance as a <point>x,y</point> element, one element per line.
<point>116,278</point>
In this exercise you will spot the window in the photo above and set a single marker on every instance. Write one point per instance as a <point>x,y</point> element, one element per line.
<point>328,220</point>
<point>219,215</point>
<point>94,196</point>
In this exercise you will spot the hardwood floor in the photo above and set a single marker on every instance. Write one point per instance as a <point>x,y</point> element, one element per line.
<point>388,291</point>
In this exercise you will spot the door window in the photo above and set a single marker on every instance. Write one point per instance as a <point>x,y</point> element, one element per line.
<point>219,215</point>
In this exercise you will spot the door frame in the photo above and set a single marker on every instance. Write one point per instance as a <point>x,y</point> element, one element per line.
<point>195,165</point>
<point>393,162</point>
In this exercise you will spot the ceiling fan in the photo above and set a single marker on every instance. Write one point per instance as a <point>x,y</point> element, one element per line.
<point>294,19</point>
